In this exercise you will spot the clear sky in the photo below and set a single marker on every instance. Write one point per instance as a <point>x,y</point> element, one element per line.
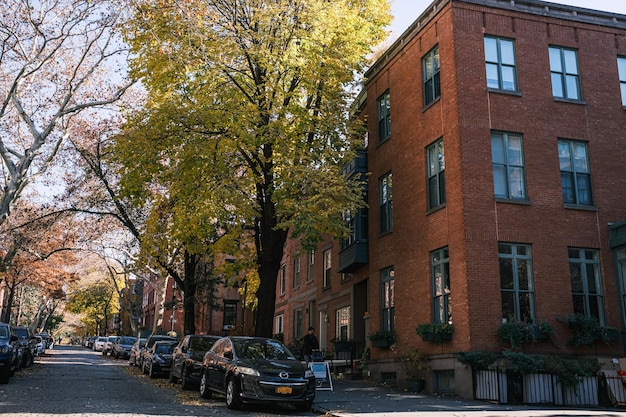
<point>406,11</point>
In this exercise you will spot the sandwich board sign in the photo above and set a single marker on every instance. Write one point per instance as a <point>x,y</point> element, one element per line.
<point>323,380</point>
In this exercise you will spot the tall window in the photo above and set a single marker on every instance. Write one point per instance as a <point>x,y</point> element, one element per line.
<point>327,268</point>
<point>587,293</point>
<point>310,264</point>
<point>386,211</point>
<point>387,279</point>
<point>342,330</point>
<point>564,73</point>
<point>620,256</point>
<point>430,67</point>
<point>283,278</point>
<point>507,155</point>
<point>296,272</point>
<point>440,270</point>
<point>621,68</point>
<point>230,314</point>
<point>575,172</point>
<point>384,117</point>
<point>279,323</point>
<point>516,282</point>
<point>436,175</point>
<point>500,62</point>
<point>298,324</point>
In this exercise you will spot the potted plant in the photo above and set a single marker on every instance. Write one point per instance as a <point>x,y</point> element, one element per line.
<point>517,333</point>
<point>382,338</point>
<point>435,332</point>
<point>587,330</point>
<point>412,364</point>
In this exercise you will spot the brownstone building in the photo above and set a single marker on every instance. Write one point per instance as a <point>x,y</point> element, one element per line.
<point>496,156</point>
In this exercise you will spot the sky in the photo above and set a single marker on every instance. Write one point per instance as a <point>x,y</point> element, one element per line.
<point>406,11</point>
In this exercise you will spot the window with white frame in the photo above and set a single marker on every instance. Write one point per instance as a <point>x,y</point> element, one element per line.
<point>575,172</point>
<point>388,298</point>
<point>342,330</point>
<point>509,174</point>
<point>283,278</point>
<point>327,258</point>
<point>587,291</point>
<point>310,266</point>
<point>564,73</point>
<point>296,272</point>
<point>279,324</point>
<point>500,63</point>
<point>436,175</point>
<point>516,282</point>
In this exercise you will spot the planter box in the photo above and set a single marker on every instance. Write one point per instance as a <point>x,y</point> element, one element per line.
<point>342,346</point>
<point>436,337</point>
<point>382,343</point>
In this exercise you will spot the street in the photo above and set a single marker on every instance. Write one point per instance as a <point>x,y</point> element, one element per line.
<point>73,380</point>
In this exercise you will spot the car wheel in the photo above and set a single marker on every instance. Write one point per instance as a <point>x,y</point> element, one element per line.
<point>185,383</point>
<point>151,373</point>
<point>143,368</point>
<point>205,391</point>
<point>4,377</point>
<point>233,400</point>
<point>172,378</point>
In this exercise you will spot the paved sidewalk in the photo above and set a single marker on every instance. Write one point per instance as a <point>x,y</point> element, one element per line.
<point>365,399</point>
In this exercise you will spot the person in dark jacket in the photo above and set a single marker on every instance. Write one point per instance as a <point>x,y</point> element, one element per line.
<point>309,344</point>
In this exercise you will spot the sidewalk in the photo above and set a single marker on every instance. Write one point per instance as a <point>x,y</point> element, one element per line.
<point>365,399</point>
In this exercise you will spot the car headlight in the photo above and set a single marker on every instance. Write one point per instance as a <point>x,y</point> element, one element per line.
<point>247,371</point>
<point>4,349</point>
<point>309,374</point>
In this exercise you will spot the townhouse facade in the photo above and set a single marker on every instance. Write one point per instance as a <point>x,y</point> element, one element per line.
<point>496,192</point>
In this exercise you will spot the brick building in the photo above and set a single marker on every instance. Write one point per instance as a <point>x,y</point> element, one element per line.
<point>496,190</point>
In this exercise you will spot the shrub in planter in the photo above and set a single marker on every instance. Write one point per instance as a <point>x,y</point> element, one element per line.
<point>516,333</point>
<point>435,332</point>
<point>382,338</point>
<point>478,360</point>
<point>587,330</point>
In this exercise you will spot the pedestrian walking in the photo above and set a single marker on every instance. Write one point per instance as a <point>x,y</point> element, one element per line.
<point>309,344</point>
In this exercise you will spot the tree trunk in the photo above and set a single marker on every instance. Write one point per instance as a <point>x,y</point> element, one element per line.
<point>189,293</point>
<point>270,257</point>
<point>8,302</point>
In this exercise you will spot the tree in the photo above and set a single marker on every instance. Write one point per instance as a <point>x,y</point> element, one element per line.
<point>248,118</point>
<point>58,59</point>
<point>97,302</point>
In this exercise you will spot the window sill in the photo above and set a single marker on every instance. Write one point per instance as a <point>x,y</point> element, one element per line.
<point>431,104</point>
<point>521,201</point>
<point>435,209</point>
<point>385,233</point>
<point>505,92</point>
<point>385,140</point>
<point>570,101</point>
<point>579,207</point>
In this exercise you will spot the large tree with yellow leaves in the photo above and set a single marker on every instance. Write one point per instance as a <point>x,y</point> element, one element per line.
<point>247,125</point>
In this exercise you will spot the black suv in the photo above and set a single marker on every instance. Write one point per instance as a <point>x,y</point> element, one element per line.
<point>8,353</point>
<point>150,341</point>
<point>27,346</point>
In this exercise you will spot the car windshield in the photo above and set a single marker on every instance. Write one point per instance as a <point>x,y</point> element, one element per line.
<point>4,333</point>
<point>262,349</point>
<point>127,340</point>
<point>164,348</point>
<point>201,343</point>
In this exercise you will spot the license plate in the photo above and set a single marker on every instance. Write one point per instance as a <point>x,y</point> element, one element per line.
<point>283,390</point>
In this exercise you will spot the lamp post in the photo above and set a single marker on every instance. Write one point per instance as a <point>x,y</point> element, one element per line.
<point>243,305</point>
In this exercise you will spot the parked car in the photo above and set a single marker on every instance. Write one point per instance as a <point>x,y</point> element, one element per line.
<point>122,346</point>
<point>187,359</point>
<point>98,344</point>
<point>135,352</point>
<point>27,349</point>
<point>150,341</point>
<point>108,344</point>
<point>158,359</point>
<point>46,338</point>
<point>9,347</point>
<point>256,370</point>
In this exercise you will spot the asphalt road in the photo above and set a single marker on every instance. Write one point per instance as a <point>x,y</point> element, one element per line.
<point>76,381</point>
